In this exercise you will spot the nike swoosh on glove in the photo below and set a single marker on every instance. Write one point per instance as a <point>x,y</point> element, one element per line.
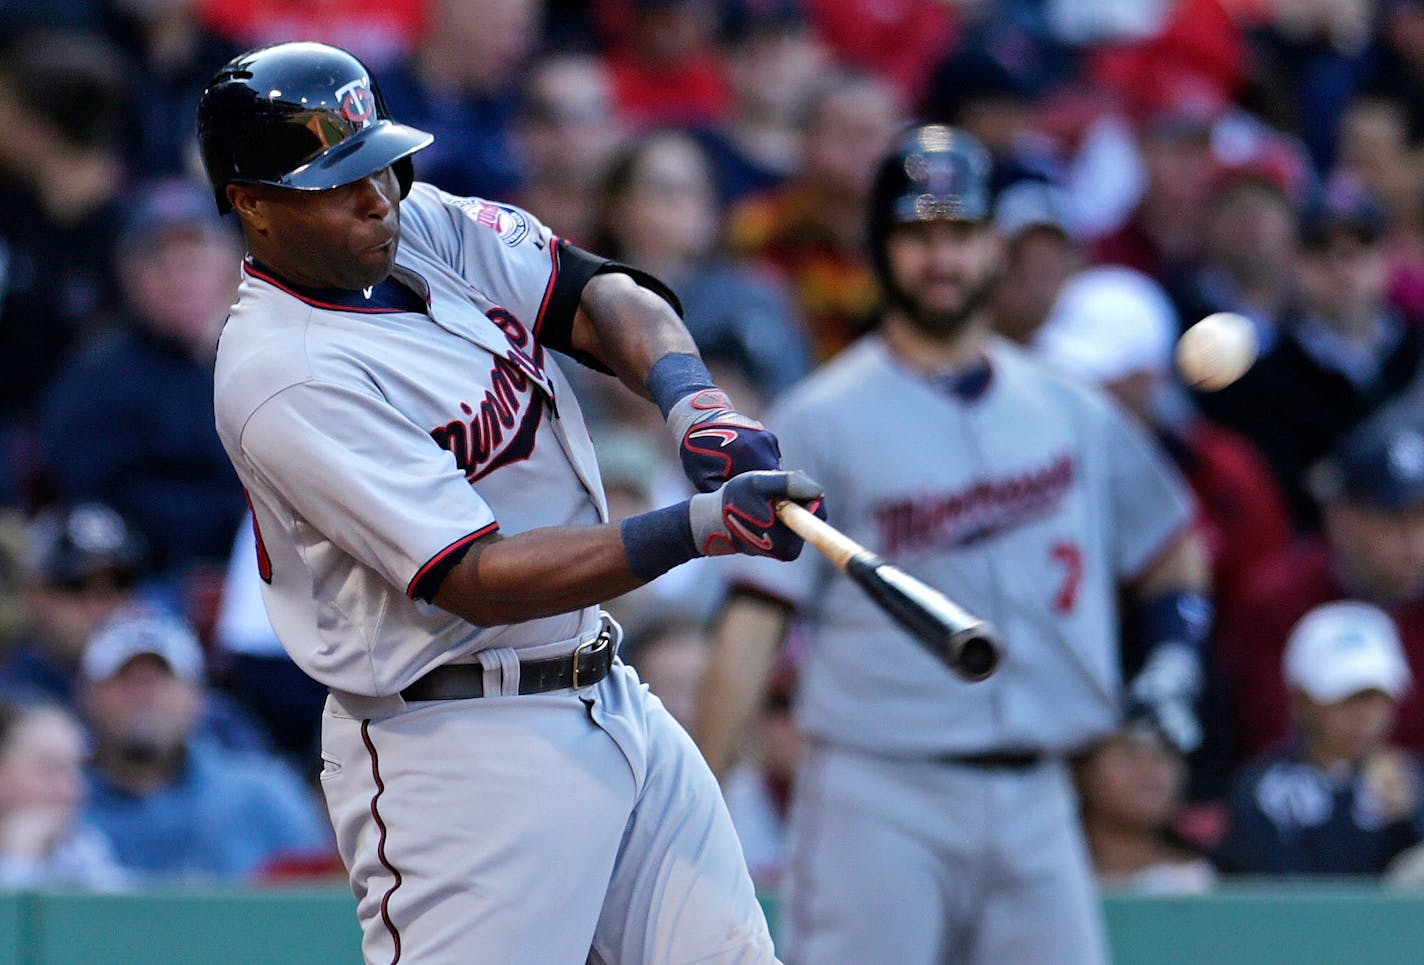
<point>741,516</point>
<point>716,442</point>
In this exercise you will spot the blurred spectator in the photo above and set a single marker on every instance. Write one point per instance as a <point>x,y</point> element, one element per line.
<point>462,83</point>
<point>1307,60</point>
<point>670,655</point>
<point>129,422</point>
<point>1163,236</point>
<point>1339,799</point>
<point>811,231</point>
<point>1382,144</point>
<point>1344,354</point>
<point>43,843</point>
<point>258,670</point>
<point>1131,787</point>
<point>897,40</point>
<point>1249,254</point>
<point>377,31</point>
<point>660,214</point>
<point>175,55</point>
<point>665,62</point>
<point>773,60</point>
<point>758,787</point>
<point>63,104</point>
<point>1039,258</point>
<point>566,132</point>
<point>81,564</point>
<point>172,804</point>
<point>1371,491</point>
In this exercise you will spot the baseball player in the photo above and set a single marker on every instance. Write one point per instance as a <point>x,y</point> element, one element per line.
<point>432,538</point>
<point>934,819</point>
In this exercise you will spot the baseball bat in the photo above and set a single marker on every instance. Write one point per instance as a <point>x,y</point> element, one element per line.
<point>964,643</point>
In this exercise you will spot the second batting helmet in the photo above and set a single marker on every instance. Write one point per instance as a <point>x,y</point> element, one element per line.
<point>305,116</point>
<point>933,173</point>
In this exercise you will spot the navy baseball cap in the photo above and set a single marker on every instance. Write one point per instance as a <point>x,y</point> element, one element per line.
<point>70,545</point>
<point>1342,208</point>
<point>1379,464</point>
<point>158,206</point>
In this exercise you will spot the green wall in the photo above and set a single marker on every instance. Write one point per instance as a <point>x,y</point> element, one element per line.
<point>1288,924</point>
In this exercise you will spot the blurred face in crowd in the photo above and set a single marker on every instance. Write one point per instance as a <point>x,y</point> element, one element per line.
<point>492,37</point>
<point>567,127</point>
<point>66,614</point>
<point>669,33</point>
<point>1374,146</point>
<point>1037,265</point>
<point>772,73</point>
<point>182,282</point>
<point>1345,278</point>
<point>1379,554</point>
<point>1345,730</point>
<point>942,271</point>
<point>667,210</point>
<point>672,666</point>
<point>1251,231</point>
<point>1180,170</point>
<point>41,763</point>
<point>342,238</point>
<point>847,133</point>
<point>1131,781</point>
<point>144,712</point>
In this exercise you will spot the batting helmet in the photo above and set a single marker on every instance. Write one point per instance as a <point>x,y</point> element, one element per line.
<point>934,173</point>
<point>304,116</point>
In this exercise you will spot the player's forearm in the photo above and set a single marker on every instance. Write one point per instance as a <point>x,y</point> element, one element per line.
<point>538,573</point>
<point>628,328</point>
<point>1182,567</point>
<point>745,643</point>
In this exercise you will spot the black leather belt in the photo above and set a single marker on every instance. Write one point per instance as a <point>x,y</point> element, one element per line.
<point>587,665</point>
<point>1010,760</point>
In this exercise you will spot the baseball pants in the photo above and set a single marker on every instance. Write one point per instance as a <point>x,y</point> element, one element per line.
<point>928,863</point>
<point>546,829</point>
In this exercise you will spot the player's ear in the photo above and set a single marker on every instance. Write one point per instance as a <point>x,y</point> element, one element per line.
<point>248,205</point>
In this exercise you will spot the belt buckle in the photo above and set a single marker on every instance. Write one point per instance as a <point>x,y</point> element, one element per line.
<point>593,648</point>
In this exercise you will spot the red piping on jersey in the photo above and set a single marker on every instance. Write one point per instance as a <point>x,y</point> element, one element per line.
<point>381,843</point>
<point>549,289</point>
<point>329,306</point>
<point>460,543</point>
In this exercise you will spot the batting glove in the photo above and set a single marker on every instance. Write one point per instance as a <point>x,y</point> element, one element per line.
<point>1164,693</point>
<point>741,516</point>
<point>716,442</point>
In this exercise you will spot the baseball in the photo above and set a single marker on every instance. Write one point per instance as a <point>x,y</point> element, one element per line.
<point>1216,351</point>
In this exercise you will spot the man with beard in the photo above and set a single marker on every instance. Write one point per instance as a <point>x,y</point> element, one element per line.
<point>934,819</point>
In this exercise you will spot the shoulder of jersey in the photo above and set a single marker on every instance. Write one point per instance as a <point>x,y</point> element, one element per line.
<point>1017,363</point>
<point>842,377</point>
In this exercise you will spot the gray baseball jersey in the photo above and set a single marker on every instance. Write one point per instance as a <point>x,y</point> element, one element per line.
<point>374,448</point>
<point>1026,505</point>
<point>379,434</point>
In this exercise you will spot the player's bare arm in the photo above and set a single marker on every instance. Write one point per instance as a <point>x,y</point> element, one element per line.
<point>749,632</point>
<point>628,328</point>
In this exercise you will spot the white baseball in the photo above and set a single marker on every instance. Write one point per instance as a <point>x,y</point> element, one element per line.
<point>1216,351</point>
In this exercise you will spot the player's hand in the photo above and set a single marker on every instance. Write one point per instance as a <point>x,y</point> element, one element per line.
<point>741,516</point>
<point>1164,693</point>
<point>716,442</point>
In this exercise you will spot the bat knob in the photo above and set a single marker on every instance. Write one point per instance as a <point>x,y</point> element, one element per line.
<point>974,652</point>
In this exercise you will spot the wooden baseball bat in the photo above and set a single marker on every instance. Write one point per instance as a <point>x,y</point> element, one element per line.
<point>967,645</point>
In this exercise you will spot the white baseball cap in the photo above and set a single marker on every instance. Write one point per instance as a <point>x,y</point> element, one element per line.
<point>1108,323</point>
<point>138,630</point>
<point>1345,648</point>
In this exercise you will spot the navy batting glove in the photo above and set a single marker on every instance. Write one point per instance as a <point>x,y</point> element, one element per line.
<point>716,442</point>
<point>741,516</point>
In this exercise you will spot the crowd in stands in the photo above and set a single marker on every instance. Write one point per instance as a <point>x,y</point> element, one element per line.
<point>1155,161</point>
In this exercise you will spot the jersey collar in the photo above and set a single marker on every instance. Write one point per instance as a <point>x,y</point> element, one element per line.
<point>389,297</point>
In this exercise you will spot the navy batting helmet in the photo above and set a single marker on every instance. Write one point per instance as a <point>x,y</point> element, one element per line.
<point>934,173</point>
<point>299,115</point>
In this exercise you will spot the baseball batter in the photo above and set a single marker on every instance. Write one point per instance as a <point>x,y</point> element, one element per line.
<point>432,537</point>
<point>934,820</point>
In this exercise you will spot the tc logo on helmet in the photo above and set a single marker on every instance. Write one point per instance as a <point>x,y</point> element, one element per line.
<point>358,104</point>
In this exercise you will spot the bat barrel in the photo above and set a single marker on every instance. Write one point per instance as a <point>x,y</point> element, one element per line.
<point>973,652</point>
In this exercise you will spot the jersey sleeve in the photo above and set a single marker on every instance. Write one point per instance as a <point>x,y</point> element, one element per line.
<point>1151,504</point>
<point>527,269</point>
<point>377,486</point>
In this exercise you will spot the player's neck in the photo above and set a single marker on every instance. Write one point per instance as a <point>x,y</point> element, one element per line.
<point>934,353</point>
